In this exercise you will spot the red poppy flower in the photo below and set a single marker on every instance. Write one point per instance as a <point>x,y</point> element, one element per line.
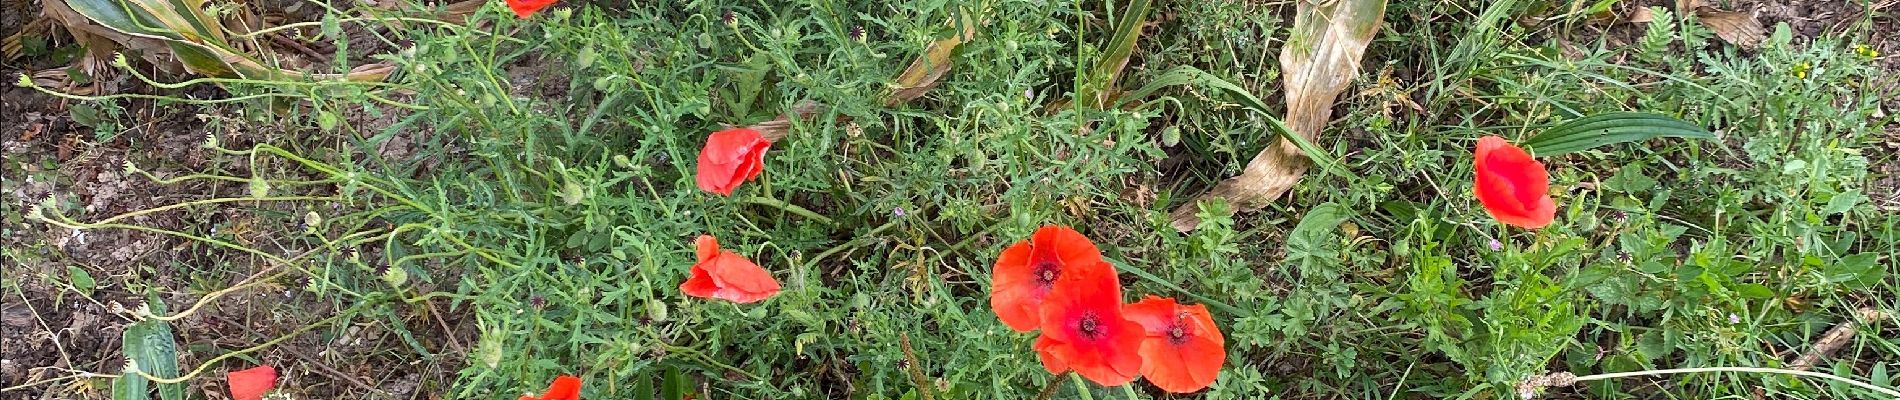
<point>565,387</point>
<point>251,384</point>
<point>1027,270</point>
<point>722,274</point>
<point>1513,187</point>
<point>1182,352</point>
<point>1083,328</point>
<point>730,157</point>
<point>526,8</point>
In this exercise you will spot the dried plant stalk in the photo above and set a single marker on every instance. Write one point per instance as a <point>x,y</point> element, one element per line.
<point>1837,337</point>
<point>1320,58</point>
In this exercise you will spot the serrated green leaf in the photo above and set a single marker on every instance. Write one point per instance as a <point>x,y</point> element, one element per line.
<point>1629,179</point>
<point>326,120</point>
<point>1311,242</point>
<point>1610,128</point>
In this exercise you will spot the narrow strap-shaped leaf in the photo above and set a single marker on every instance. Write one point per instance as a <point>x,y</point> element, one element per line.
<point>1610,128</point>
<point>674,387</point>
<point>643,388</point>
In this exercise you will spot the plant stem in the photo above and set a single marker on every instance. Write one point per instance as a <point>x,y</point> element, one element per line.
<point>789,207</point>
<point>1081,387</point>
<point>1810,374</point>
<point>916,369</point>
<point>1049,390</point>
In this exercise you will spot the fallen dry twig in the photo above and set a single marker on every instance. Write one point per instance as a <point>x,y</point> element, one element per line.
<point>1837,337</point>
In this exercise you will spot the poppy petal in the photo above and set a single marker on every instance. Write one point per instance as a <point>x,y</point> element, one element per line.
<point>729,158</point>
<point>1511,185</point>
<point>251,384</point>
<point>1067,245</point>
<point>726,275</point>
<point>705,247</point>
<point>740,280</point>
<point>565,387</point>
<point>1115,363</point>
<point>1180,364</point>
<point>1014,293</point>
<point>526,8</point>
<point>1046,353</point>
<point>1154,313</point>
<point>699,283</point>
<point>1082,320</point>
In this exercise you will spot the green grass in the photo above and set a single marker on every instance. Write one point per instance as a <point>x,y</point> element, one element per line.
<point>559,210</point>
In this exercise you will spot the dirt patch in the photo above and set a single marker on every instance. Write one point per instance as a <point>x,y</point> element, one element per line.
<point>50,155</point>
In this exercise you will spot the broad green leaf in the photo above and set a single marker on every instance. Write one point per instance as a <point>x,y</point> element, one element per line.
<point>130,386</point>
<point>81,279</point>
<point>1755,291</point>
<point>1611,128</point>
<point>1843,202</point>
<point>1855,271</point>
<point>150,347</point>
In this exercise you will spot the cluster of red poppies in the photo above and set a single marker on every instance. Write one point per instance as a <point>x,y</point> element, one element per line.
<point>1058,282</point>
<point>730,157</point>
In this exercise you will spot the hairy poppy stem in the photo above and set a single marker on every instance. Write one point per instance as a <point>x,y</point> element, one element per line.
<point>914,365</point>
<point>1533,386</point>
<point>1081,387</point>
<point>1049,390</point>
<point>789,207</point>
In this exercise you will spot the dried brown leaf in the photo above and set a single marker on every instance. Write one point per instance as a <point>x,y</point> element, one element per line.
<point>1642,15</point>
<point>1738,28</point>
<point>924,72</point>
<point>780,127</point>
<point>57,79</point>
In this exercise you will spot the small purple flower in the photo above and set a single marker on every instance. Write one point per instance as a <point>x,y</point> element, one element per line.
<point>1734,319</point>
<point>1495,245</point>
<point>897,211</point>
<point>1029,94</point>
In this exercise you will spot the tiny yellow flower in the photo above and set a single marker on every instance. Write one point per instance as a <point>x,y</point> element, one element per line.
<point>1865,51</point>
